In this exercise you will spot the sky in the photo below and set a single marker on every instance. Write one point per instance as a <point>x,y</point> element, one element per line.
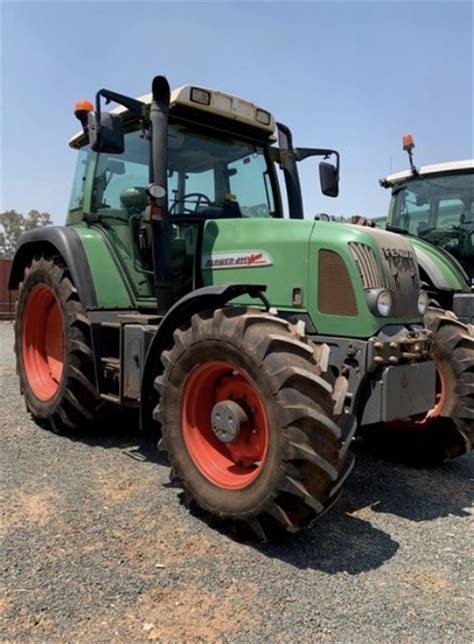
<point>353,76</point>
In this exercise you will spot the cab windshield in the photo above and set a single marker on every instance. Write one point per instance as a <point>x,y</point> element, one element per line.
<point>439,209</point>
<point>209,175</point>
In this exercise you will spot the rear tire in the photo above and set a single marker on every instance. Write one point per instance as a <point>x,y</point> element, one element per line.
<point>53,348</point>
<point>447,431</point>
<point>300,454</point>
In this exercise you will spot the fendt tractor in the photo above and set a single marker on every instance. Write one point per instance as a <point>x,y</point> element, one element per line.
<point>434,207</point>
<point>253,345</point>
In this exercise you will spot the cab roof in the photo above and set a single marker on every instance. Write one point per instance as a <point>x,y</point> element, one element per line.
<point>221,104</point>
<point>437,168</point>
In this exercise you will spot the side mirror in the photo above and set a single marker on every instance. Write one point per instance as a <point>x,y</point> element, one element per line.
<point>106,136</point>
<point>329,179</point>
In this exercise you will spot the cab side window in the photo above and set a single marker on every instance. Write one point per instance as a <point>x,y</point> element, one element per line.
<point>450,212</point>
<point>120,180</point>
<point>412,214</point>
<point>250,185</point>
<point>76,202</point>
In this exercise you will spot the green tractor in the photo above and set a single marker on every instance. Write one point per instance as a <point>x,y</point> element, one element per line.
<point>252,345</point>
<point>433,206</point>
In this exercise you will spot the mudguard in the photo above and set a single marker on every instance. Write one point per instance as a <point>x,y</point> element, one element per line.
<point>202,299</point>
<point>62,240</point>
<point>444,270</point>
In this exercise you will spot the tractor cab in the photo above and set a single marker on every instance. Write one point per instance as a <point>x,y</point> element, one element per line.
<point>435,204</point>
<point>221,163</point>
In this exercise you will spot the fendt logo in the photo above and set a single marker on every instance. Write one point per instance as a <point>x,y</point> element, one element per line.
<point>249,259</point>
<point>398,252</point>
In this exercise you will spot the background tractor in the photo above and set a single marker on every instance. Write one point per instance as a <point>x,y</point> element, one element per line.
<point>434,207</point>
<point>253,345</point>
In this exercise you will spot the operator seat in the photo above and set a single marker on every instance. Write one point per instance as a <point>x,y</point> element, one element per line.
<point>134,200</point>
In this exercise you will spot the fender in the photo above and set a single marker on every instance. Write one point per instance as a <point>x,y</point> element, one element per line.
<point>443,269</point>
<point>62,240</point>
<point>202,299</point>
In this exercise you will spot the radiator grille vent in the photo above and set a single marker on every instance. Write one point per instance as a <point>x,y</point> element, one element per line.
<point>404,282</point>
<point>366,262</point>
<point>335,292</point>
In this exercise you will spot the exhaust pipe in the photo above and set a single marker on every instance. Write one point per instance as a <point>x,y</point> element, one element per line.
<point>166,294</point>
<point>159,111</point>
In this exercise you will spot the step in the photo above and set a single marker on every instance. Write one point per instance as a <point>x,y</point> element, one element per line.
<point>111,325</point>
<point>112,363</point>
<point>110,398</point>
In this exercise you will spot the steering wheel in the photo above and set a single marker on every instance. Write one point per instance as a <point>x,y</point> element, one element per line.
<point>200,198</point>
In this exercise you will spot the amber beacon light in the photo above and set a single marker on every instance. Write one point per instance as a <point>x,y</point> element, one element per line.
<point>408,142</point>
<point>82,109</point>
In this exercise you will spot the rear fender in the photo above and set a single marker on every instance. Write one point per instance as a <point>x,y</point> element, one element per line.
<point>56,240</point>
<point>442,269</point>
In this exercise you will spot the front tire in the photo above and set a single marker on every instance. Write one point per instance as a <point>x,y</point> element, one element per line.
<point>53,348</point>
<point>447,430</point>
<point>288,463</point>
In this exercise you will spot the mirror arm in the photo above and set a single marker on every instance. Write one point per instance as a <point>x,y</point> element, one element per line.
<point>137,107</point>
<point>130,103</point>
<point>304,153</point>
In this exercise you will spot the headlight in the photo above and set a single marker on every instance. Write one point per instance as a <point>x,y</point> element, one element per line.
<point>380,301</point>
<point>423,301</point>
<point>384,303</point>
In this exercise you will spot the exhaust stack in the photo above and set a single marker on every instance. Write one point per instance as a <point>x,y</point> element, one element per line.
<point>158,191</point>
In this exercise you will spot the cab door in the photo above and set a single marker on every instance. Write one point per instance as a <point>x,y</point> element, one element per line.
<point>118,203</point>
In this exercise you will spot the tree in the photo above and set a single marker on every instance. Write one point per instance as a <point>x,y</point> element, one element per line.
<point>13,224</point>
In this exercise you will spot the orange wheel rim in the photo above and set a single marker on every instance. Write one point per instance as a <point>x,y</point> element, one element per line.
<point>43,342</point>
<point>233,465</point>
<point>440,398</point>
<point>430,415</point>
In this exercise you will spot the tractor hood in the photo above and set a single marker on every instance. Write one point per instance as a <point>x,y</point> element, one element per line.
<point>443,269</point>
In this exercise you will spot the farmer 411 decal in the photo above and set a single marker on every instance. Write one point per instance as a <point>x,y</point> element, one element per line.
<point>247,259</point>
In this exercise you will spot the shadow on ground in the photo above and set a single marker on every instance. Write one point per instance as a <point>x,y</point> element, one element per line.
<point>336,543</point>
<point>344,540</point>
<point>120,430</point>
<point>417,494</point>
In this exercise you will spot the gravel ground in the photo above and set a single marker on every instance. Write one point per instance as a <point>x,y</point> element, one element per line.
<point>97,546</point>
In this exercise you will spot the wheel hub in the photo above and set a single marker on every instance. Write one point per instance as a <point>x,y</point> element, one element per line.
<point>226,420</point>
<point>220,401</point>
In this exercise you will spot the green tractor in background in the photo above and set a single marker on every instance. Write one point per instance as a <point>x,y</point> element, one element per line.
<point>434,207</point>
<point>252,345</point>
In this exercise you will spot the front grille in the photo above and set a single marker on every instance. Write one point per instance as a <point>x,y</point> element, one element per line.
<point>400,268</point>
<point>366,263</point>
<point>403,280</point>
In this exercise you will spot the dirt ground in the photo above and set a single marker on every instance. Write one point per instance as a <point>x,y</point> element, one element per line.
<point>98,547</point>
